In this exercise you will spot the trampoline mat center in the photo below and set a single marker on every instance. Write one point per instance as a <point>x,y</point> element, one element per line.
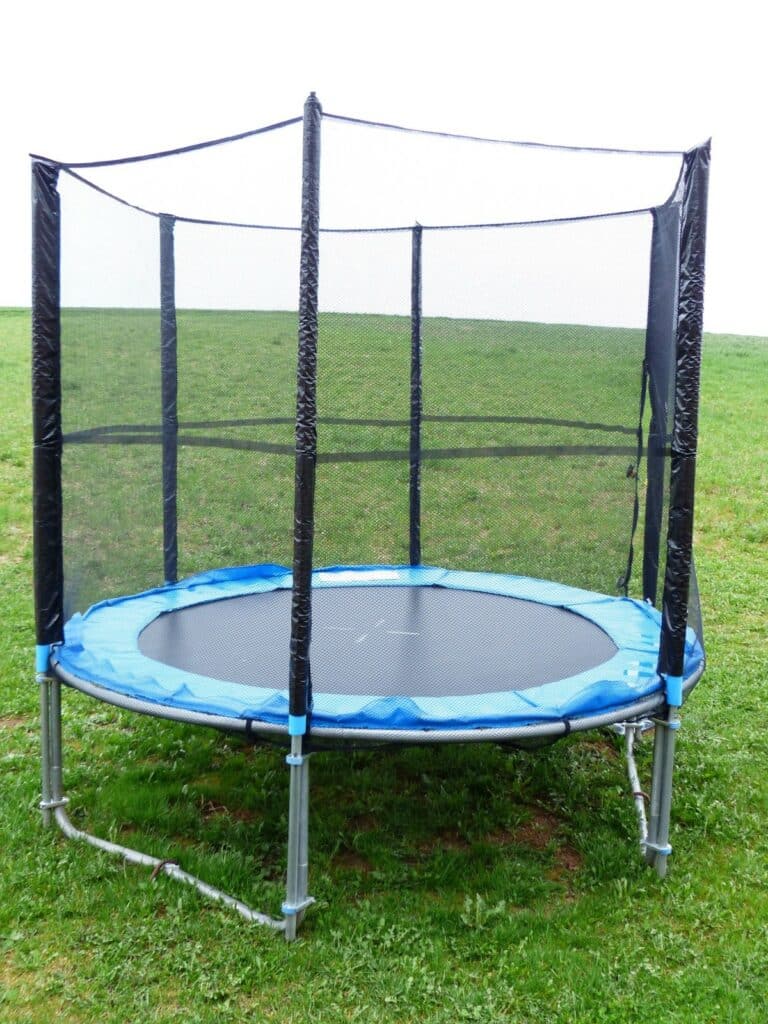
<point>383,641</point>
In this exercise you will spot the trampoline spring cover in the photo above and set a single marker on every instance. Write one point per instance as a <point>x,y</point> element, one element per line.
<point>547,653</point>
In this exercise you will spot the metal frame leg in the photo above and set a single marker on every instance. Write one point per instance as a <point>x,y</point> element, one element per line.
<point>57,796</point>
<point>53,807</point>
<point>630,730</point>
<point>659,744</point>
<point>654,827</point>
<point>296,897</point>
<point>45,752</point>
<point>657,848</point>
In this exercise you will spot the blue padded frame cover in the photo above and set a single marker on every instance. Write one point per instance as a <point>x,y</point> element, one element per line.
<point>101,647</point>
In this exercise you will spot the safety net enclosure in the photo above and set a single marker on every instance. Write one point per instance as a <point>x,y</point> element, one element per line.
<point>459,509</point>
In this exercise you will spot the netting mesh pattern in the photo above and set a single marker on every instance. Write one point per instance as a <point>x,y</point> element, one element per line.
<point>110,369</point>
<point>525,473</point>
<point>522,444</point>
<point>528,441</point>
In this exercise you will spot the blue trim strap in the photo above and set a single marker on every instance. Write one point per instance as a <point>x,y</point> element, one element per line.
<point>674,686</point>
<point>662,851</point>
<point>297,725</point>
<point>291,909</point>
<point>42,657</point>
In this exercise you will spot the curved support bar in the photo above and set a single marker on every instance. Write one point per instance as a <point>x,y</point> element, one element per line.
<point>653,829</point>
<point>167,867</point>
<point>634,781</point>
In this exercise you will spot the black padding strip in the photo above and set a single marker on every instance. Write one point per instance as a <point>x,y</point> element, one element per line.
<point>46,405</point>
<point>417,403</point>
<point>169,397</point>
<point>690,312</point>
<point>300,678</point>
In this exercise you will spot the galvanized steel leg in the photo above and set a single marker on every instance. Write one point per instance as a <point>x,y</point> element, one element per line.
<point>657,848</point>
<point>659,741</point>
<point>296,897</point>
<point>630,731</point>
<point>45,751</point>
<point>304,836</point>
<point>53,806</point>
<point>57,796</point>
<point>53,800</point>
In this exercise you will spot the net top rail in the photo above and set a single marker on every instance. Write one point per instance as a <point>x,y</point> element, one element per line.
<point>535,222</point>
<point>208,143</point>
<point>72,168</point>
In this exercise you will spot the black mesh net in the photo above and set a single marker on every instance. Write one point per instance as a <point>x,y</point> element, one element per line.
<point>363,400</point>
<point>235,316</point>
<point>111,470</point>
<point>534,347</point>
<point>532,397</point>
<point>236,395</point>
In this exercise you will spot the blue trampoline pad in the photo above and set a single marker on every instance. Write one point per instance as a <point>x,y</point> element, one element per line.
<point>393,648</point>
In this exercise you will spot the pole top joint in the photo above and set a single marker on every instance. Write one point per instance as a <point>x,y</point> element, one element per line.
<point>313,101</point>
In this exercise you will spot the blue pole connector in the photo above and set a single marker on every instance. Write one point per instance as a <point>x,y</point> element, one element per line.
<point>297,725</point>
<point>42,656</point>
<point>675,691</point>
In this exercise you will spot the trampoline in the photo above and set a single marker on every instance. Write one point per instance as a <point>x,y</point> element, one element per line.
<point>457,508</point>
<point>409,654</point>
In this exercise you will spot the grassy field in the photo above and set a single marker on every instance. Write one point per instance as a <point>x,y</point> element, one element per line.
<point>464,884</point>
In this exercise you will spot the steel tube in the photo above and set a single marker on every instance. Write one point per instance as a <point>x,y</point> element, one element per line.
<point>416,402</point>
<point>166,867</point>
<point>45,752</point>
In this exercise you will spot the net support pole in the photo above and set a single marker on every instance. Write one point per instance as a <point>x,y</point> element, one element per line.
<point>306,422</point>
<point>416,401</point>
<point>657,846</point>
<point>300,682</point>
<point>46,448</point>
<point>46,405</point>
<point>679,569</point>
<point>660,342</point>
<point>169,395</point>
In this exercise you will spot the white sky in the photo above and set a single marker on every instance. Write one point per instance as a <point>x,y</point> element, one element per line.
<point>84,80</point>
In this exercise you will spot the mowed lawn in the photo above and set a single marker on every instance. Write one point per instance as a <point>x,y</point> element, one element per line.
<point>460,884</point>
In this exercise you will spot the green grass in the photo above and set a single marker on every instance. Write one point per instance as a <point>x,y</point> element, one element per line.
<point>463,884</point>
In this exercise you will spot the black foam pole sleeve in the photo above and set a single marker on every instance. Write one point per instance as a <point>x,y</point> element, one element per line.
<point>660,345</point>
<point>46,404</point>
<point>690,309</point>
<point>300,695</point>
<point>169,396</point>
<point>416,401</point>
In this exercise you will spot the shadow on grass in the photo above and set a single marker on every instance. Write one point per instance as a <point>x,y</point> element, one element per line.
<point>526,828</point>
